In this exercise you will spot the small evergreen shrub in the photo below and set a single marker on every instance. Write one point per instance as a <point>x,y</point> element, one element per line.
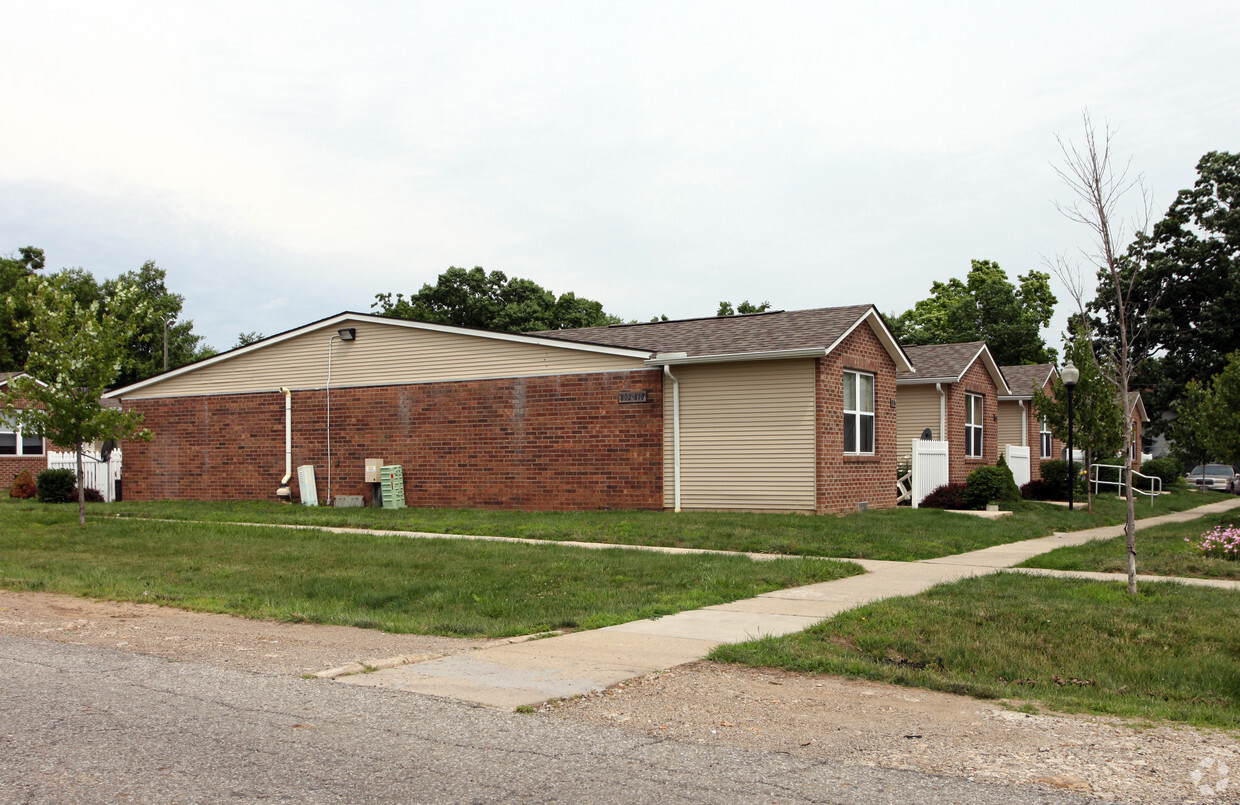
<point>1055,477</point>
<point>990,485</point>
<point>23,486</point>
<point>948,496</point>
<point>89,496</point>
<point>1169,469</point>
<point>56,486</point>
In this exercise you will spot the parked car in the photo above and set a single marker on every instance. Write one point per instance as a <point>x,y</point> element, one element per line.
<point>1219,477</point>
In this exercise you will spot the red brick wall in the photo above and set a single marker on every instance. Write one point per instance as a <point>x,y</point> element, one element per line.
<point>845,481</point>
<point>976,380</point>
<point>561,442</point>
<point>1035,439</point>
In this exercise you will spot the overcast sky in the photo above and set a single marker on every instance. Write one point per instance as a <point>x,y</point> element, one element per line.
<point>287,161</point>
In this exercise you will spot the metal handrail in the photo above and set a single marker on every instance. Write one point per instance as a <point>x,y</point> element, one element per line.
<point>1155,488</point>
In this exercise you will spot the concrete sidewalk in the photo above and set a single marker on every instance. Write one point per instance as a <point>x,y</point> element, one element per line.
<point>534,671</point>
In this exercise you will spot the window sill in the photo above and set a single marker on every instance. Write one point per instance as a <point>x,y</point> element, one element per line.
<point>861,458</point>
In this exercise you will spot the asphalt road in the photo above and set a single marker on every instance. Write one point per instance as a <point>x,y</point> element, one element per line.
<point>84,724</point>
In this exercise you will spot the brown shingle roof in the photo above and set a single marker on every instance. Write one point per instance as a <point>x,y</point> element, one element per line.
<point>941,360</point>
<point>1022,380</point>
<point>726,335</point>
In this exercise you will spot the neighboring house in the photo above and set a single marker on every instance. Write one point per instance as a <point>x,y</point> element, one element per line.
<point>19,451</point>
<point>953,394</point>
<point>774,411</point>
<point>1019,424</point>
<point>1136,410</point>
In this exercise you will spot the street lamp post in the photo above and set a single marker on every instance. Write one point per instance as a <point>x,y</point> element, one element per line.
<point>1070,375</point>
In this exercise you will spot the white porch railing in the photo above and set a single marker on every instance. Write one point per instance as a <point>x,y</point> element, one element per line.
<point>100,475</point>
<point>1155,482</point>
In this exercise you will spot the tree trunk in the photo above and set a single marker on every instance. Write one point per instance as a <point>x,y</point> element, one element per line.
<point>81,488</point>
<point>1130,524</point>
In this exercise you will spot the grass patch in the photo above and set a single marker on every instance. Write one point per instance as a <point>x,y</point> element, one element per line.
<point>1161,551</point>
<point>445,587</point>
<point>902,534</point>
<point>1070,645</point>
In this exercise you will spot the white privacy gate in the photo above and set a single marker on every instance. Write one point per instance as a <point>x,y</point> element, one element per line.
<point>929,468</point>
<point>100,475</point>
<point>1018,463</point>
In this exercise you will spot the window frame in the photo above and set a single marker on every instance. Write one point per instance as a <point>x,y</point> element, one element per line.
<point>864,423</point>
<point>20,450</point>
<point>974,428</point>
<point>1045,438</point>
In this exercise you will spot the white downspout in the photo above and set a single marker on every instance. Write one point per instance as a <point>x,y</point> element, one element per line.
<point>1024,424</point>
<point>667,370</point>
<point>284,491</point>
<point>942,411</point>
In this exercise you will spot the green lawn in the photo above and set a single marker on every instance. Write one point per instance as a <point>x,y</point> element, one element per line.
<point>1070,645</point>
<point>449,587</point>
<point>900,534</point>
<point>1161,551</point>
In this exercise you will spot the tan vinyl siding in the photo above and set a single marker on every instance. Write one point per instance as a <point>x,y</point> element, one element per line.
<point>1010,417</point>
<point>747,436</point>
<point>917,408</point>
<point>383,354</point>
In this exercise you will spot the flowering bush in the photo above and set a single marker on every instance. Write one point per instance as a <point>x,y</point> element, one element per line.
<point>1222,542</point>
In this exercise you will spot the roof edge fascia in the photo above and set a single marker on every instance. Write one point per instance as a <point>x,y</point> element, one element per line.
<point>673,359</point>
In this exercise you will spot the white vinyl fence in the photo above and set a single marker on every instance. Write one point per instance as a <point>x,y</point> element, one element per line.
<point>1018,463</point>
<point>929,468</point>
<point>100,475</point>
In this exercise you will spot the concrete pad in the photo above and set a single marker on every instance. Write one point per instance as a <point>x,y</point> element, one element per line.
<point>717,625</point>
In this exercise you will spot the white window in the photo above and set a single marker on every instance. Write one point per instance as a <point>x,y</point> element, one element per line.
<point>973,425</point>
<point>858,412</point>
<point>1045,433</point>
<point>15,443</point>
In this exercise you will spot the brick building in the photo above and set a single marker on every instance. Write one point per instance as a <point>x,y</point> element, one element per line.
<point>1019,424</point>
<point>783,411</point>
<point>19,452</point>
<point>953,393</point>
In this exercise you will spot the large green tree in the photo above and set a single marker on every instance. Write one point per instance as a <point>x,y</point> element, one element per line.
<point>76,352</point>
<point>985,306</point>
<point>1097,418</point>
<point>150,306</point>
<point>1184,279</point>
<point>492,301</point>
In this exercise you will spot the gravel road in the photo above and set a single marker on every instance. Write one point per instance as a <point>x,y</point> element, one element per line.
<point>810,722</point>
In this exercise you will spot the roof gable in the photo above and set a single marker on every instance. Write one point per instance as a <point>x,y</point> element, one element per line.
<point>947,363</point>
<point>1022,380</point>
<point>253,353</point>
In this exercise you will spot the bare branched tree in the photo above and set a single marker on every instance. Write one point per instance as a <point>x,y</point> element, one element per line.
<point>1098,189</point>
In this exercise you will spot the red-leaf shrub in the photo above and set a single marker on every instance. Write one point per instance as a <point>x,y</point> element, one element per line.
<point>949,496</point>
<point>23,486</point>
<point>90,495</point>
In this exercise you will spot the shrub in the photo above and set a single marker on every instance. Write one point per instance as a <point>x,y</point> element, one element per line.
<point>1055,477</point>
<point>1039,490</point>
<point>90,495</point>
<point>1169,469</point>
<point>23,486</point>
<point>990,485</point>
<point>949,496</point>
<point>56,486</point>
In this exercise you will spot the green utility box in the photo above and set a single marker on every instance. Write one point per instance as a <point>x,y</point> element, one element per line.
<point>392,486</point>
